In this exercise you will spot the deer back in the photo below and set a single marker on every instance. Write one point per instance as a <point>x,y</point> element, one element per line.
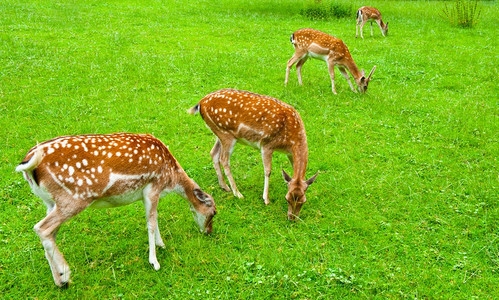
<point>88,167</point>
<point>320,43</point>
<point>256,119</point>
<point>370,13</point>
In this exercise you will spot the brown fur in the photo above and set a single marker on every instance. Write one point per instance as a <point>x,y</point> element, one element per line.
<point>75,172</point>
<point>367,13</point>
<point>263,122</point>
<point>317,44</point>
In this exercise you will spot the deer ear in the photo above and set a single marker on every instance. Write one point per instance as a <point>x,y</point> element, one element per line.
<point>372,71</point>
<point>312,179</point>
<point>287,178</point>
<point>202,196</point>
<point>363,73</point>
<point>387,23</point>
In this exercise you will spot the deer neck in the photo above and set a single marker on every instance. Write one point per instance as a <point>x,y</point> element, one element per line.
<point>383,25</point>
<point>179,182</point>
<point>300,159</point>
<point>353,69</point>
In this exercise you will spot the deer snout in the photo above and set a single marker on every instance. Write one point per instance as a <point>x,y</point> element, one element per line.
<point>208,225</point>
<point>294,210</point>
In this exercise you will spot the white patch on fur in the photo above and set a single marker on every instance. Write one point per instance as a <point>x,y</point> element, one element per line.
<point>113,178</point>
<point>198,217</point>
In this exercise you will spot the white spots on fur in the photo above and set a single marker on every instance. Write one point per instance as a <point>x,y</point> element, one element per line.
<point>50,150</point>
<point>96,152</point>
<point>80,182</point>
<point>99,169</point>
<point>78,165</point>
<point>64,167</point>
<point>71,170</point>
<point>109,155</point>
<point>84,162</point>
<point>118,154</point>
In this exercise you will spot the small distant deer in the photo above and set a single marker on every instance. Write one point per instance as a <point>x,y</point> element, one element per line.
<point>317,44</point>
<point>71,173</point>
<point>366,13</point>
<point>264,123</point>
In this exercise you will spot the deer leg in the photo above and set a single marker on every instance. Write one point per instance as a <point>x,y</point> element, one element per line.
<point>47,230</point>
<point>158,239</point>
<point>226,152</point>
<point>330,66</point>
<point>151,207</point>
<point>380,27</point>
<point>215,155</point>
<point>267,166</point>
<point>359,20</point>
<point>298,68</point>
<point>347,77</point>
<point>297,56</point>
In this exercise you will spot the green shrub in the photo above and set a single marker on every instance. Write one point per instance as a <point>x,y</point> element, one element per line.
<point>463,13</point>
<point>340,10</point>
<point>319,10</point>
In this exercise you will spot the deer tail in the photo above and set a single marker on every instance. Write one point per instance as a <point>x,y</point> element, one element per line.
<point>193,110</point>
<point>32,162</point>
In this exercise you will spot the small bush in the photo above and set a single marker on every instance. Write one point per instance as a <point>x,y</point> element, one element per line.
<point>315,12</point>
<point>463,13</point>
<point>318,10</point>
<point>341,10</point>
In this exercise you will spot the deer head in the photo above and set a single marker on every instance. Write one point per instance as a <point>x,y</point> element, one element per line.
<point>296,193</point>
<point>363,82</point>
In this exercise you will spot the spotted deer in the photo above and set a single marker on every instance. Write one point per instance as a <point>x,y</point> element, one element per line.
<point>264,123</point>
<point>71,173</point>
<point>366,13</point>
<point>317,44</point>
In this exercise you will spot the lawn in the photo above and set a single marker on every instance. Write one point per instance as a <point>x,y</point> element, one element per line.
<point>406,202</point>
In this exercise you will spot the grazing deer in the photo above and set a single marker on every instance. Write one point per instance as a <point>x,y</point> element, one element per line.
<point>264,123</point>
<point>366,13</point>
<point>71,173</point>
<point>317,44</point>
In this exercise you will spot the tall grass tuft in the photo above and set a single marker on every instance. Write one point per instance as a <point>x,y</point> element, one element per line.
<point>463,13</point>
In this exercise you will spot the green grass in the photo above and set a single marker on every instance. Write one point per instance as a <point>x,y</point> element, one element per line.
<point>405,205</point>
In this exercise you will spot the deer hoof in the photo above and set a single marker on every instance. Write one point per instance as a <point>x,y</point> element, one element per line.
<point>155,265</point>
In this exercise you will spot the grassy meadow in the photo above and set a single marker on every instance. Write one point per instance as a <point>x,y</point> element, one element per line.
<point>406,202</point>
